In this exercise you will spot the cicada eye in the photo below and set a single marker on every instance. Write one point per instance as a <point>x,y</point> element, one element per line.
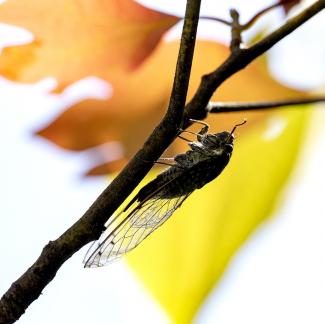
<point>230,138</point>
<point>229,148</point>
<point>211,140</point>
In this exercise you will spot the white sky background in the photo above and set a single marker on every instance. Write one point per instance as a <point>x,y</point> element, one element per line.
<point>278,276</point>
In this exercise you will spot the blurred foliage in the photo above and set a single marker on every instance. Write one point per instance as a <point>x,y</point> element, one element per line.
<point>75,39</point>
<point>139,102</point>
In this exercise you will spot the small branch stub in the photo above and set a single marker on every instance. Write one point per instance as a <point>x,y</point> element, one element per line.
<point>236,29</point>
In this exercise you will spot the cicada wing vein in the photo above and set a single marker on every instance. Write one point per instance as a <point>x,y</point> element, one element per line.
<point>124,236</point>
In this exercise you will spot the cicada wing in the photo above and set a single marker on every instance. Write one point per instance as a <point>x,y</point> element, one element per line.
<point>132,230</point>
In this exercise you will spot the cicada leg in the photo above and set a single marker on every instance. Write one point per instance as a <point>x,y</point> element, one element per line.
<point>199,135</point>
<point>163,161</point>
<point>204,130</point>
<point>184,138</point>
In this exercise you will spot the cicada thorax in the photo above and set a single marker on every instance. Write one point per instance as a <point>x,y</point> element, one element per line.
<point>177,181</point>
<point>196,177</point>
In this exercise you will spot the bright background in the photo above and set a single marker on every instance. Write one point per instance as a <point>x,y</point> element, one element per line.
<point>278,275</point>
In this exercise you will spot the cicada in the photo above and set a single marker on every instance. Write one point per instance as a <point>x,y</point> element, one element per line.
<point>158,200</point>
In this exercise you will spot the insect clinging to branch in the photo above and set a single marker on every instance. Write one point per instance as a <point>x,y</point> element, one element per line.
<point>158,200</point>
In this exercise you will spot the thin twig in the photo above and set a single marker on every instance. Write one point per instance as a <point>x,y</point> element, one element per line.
<point>252,21</point>
<point>30,285</point>
<point>264,11</point>
<point>228,107</point>
<point>196,108</point>
<point>216,19</point>
<point>266,43</point>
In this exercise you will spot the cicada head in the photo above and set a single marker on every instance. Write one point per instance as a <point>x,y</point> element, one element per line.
<point>220,142</point>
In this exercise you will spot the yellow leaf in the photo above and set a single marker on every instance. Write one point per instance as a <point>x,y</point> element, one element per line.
<point>183,259</point>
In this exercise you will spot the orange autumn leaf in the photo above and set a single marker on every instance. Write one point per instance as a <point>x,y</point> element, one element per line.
<point>88,40</point>
<point>75,39</point>
<point>140,99</point>
<point>106,168</point>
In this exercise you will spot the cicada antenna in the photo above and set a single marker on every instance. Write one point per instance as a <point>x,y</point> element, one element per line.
<point>237,125</point>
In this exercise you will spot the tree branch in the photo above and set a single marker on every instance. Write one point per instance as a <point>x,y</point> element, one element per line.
<point>30,285</point>
<point>196,108</point>
<point>229,107</point>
